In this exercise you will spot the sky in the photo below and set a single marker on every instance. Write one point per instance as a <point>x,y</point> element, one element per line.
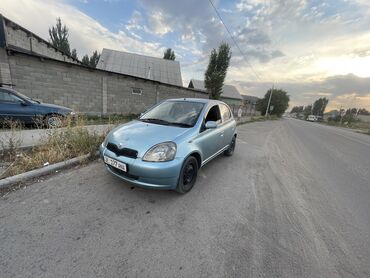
<point>311,49</point>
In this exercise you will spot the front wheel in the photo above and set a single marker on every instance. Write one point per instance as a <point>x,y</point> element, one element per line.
<point>230,150</point>
<point>188,175</point>
<point>53,121</point>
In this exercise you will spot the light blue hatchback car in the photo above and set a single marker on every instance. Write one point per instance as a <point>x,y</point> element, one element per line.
<point>168,144</point>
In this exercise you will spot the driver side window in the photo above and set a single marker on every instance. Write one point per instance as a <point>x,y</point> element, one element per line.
<point>212,115</point>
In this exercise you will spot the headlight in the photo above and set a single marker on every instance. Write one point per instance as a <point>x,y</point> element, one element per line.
<point>161,152</point>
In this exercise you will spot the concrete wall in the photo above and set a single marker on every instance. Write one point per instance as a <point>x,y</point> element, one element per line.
<point>89,91</point>
<point>20,37</point>
<point>364,118</point>
<point>40,71</point>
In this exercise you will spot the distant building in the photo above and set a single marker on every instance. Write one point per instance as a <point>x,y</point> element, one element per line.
<point>158,69</point>
<point>230,94</point>
<point>249,100</point>
<point>331,115</point>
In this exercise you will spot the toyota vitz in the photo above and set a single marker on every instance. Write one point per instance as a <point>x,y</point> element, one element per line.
<point>167,145</point>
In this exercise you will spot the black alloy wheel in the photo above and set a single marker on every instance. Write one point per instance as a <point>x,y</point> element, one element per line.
<point>188,175</point>
<point>231,148</point>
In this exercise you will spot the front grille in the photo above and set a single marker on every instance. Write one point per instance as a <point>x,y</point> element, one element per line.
<point>122,152</point>
<point>122,173</point>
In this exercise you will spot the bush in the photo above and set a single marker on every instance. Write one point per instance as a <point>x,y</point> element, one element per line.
<point>60,144</point>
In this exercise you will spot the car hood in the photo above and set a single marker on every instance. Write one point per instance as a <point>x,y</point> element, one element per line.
<point>141,136</point>
<point>53,106</point>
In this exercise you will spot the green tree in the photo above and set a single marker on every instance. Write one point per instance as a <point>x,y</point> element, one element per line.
<point>169,54</point>
<point>363,111</point>
<point>307,110</point>
<point>74,53</point>
<point>319,106</point>
<point>279,101</point>
<point>94,59</point>
<point>59,37</point>
<point>85,60</point>
<point>216,71</point>
<point>297,109</point>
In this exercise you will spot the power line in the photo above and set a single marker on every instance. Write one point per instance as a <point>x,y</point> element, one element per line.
<point>233,39</point>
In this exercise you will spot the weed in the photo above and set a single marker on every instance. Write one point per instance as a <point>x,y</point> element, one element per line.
<point>72,140</point>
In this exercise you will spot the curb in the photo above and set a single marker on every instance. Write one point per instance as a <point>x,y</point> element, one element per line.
<point>9,181</point>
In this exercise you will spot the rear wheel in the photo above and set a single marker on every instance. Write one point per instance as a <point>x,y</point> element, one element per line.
<point>188,175</point>
<point>230,150</point>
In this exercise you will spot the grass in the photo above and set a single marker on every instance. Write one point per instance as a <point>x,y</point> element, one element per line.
<point>110,119</point>
<point>358,126</point>
<point>60,144</point>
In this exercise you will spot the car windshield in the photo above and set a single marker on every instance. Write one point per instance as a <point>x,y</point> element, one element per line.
<point>177,113</point>
<point>25,97</point>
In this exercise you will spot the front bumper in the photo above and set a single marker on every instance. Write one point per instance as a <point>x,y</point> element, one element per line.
<point>160,175</point>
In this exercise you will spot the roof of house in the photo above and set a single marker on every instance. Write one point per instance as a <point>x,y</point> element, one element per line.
<point>162,70</point>
<point>228,91</point>
<point>251,99</point>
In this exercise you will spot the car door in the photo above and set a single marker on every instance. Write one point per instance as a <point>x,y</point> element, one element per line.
<point>14,108</point>
<point>228,126</point>
<point>209,140</point>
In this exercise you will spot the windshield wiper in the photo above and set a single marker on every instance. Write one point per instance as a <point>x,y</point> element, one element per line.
<point>180,124</point>
<point>155,121</point>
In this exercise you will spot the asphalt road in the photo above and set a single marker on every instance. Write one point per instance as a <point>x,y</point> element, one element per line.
<point>293,201</point>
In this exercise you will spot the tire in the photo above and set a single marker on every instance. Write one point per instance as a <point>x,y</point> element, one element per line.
<point>188,175</point>
<point>53,121</point>
<point>230,150</point>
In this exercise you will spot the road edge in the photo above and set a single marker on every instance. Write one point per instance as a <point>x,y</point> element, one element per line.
<point>10,181</point>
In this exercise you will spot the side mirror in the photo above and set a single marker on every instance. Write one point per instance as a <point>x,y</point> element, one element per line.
<point>211,124</point>
<point>23,103</point>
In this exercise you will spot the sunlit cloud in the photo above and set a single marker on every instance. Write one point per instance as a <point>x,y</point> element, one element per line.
<point>311,49</point>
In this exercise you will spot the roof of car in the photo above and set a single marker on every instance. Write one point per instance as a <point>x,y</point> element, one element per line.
<point>202,100</point>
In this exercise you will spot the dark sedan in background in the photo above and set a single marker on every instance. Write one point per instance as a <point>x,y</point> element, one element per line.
<point>15,106</point>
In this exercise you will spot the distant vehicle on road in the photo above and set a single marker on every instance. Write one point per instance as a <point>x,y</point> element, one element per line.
<point>15,106</point>
<point>168,144</point>
<point>312,118</point>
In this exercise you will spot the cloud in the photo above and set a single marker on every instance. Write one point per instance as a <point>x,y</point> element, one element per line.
<point>309,48</point>
<point>341,90</point>
<point>86,34</point>
<point>157,23</point>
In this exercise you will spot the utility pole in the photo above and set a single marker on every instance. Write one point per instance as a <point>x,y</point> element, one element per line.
<point>268,105</point>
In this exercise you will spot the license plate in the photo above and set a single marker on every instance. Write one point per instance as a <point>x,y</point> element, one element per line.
<point>115,163</point>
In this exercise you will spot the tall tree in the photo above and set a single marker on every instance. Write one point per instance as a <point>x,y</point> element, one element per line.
<point>59,37</point>
<point>85,60</point>
<point>216,71</point>
<point>363,111</point>
<point>94,59</point>
<point>297,109</point>
<point>74,53</point>
<point>279,102</point>
<point>169,54</point>
<point>319,106</point>
<point>307,110</point>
